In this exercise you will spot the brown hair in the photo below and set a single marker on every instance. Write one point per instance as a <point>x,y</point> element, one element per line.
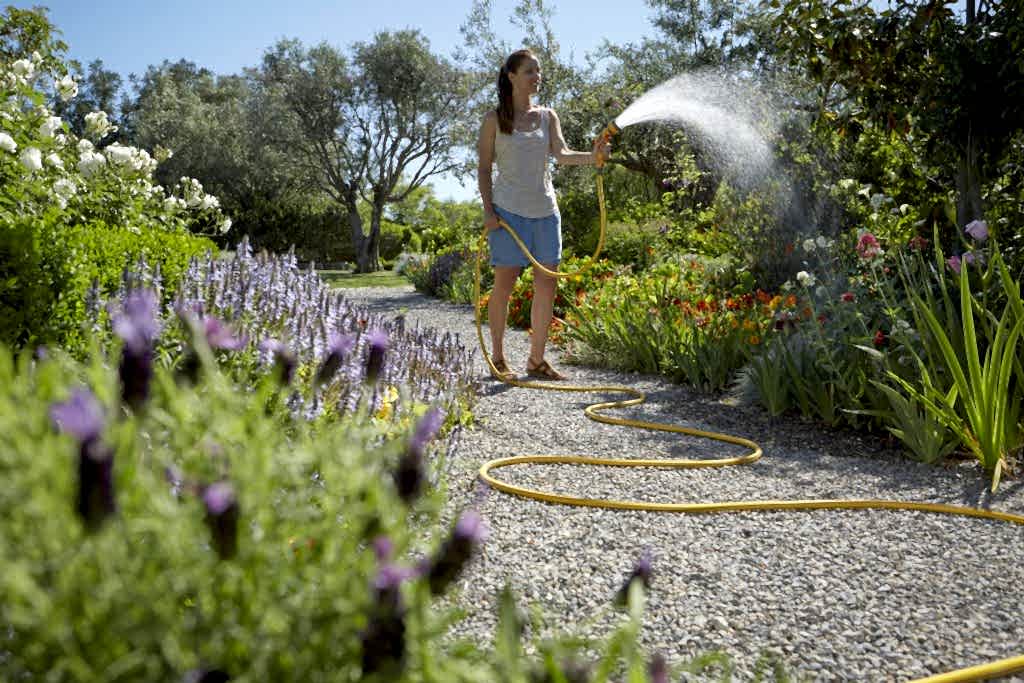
<point>504,109</point>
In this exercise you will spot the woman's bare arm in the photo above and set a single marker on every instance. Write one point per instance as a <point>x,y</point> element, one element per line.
<point>567,157</point>
<point>484,180</point>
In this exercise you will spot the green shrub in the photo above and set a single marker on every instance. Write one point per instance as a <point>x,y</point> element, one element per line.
<point>48,269</point>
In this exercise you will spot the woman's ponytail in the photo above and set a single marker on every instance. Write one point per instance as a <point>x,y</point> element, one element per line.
<point>505,109</point>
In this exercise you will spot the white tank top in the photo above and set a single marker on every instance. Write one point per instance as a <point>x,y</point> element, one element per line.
<point>523,185</point>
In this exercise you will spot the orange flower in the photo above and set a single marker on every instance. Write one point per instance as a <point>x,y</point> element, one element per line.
<point>790,300</point>
<point>754,340</point>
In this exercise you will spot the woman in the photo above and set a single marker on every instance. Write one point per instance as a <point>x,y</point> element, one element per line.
<point>518,136</point>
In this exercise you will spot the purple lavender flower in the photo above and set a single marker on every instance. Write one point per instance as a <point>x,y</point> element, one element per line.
<point>222,517</point>
<point>220,336</point>
<point>96,499</point>
<point>455,552</point>
<point>80,416</point>
<point>658,669</point>
<point>409,475</point>
<point>427,428</point>
<point>284,360</point>
<point>383,547</point>
<point>136,322</point>
<point>378,343</point>
<point>137,325</point>
<point>383,640</point>
<point>642,571</point>
<point>339,348</point>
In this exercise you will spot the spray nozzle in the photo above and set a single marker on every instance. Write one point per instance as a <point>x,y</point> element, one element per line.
<point>604,136</point>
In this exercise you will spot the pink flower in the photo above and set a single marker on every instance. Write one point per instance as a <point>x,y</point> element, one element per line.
<point>954,263</point>
<point>978,230</point>
<point>868,247</point>
<point>918,243</point>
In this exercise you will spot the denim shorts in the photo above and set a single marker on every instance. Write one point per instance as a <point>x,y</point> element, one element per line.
<point>542,236</point>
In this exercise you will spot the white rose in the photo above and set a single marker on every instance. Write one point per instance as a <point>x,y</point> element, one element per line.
<point>209,202</point>
<point>97,125</point>
<point>822,242</point>
<point>32,159</point>
<point>84,146</point>
<point>119,154</point>
<point>806,279</point>
<point>55,161</point>
<point>66,87</point>
<point>23,68</point>
<point>64,187</point>
<point>50,126</point>
<point>225,226</point>
<point>808,245</point>
<point>7,143</point>
<point>90,162</point>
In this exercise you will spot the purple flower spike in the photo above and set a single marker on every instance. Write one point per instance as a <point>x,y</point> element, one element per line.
<point>220,336</point>
<point>222,518</point>
<point>339,348</point>
<point>80,416</point>
<point>455,552</point>
<point>427,429</point>
<point>137,325</point>
<point>383,547</point>
<point>378,343</point>
<point>658,669</point>
<point>284,360</point>
<point>978,230</point>
<point>136,321</point>
<point>642,571</point>
<point>96,499</point>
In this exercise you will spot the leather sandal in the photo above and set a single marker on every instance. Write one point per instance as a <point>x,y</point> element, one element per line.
<point>504,373</point>
<point>543,370</point>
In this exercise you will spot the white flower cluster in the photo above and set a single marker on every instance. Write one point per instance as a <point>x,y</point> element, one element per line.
<point>66,88</point>
<point>819,243</point>
<point>806,279</point>
<point>98,126</point>
<point>132,158</point>
<point>195,197</point>
<point>42,144</point>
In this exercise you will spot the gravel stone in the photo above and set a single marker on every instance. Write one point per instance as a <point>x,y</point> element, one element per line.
<point>835,595</point>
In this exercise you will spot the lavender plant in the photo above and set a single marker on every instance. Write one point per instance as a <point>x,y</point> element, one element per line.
<point>264,311</point>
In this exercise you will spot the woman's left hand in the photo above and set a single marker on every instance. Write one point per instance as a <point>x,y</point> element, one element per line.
<point>602,150</point>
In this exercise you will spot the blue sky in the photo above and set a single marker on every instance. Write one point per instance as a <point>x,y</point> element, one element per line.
<point>227,35</point>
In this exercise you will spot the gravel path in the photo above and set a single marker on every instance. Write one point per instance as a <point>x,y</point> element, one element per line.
<point>842,595</point>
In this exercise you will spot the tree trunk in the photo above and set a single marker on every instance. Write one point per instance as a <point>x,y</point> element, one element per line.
<point>968,186</point>
<point>360,242</point>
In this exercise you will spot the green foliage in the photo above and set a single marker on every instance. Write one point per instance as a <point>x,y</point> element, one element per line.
<point>692,320</point>
<point>279,610</point>
<point>50,269</point>
<point>983,407</point>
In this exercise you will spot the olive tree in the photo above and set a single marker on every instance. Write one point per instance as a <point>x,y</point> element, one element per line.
<point>371,125</point>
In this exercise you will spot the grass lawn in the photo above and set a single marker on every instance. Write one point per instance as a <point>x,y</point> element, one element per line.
<point>347,280</point>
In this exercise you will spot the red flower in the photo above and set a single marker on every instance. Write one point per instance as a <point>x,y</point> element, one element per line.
<point>848,297</point>
<point>881,339</point>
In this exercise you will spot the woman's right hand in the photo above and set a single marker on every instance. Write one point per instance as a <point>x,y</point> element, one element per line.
<point>491,221</point>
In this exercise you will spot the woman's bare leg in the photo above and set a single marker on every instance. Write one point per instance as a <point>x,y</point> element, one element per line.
<point>540,312</point>
<point>497,307</point>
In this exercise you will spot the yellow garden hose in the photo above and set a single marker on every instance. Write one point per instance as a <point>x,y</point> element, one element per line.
<point>595,412</point>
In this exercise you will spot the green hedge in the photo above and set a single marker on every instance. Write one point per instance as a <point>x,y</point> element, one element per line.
<point>47,269</point>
